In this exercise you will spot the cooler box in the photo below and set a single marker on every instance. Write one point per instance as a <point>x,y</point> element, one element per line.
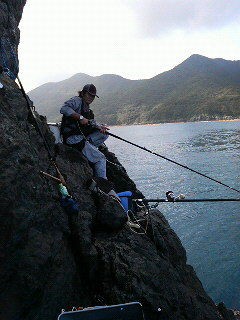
<point>126,200</point>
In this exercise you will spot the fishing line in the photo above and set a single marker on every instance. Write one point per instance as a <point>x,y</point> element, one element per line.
<point>175,162</point>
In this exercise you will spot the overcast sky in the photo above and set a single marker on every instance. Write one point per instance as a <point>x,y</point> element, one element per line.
<point>136,39</point>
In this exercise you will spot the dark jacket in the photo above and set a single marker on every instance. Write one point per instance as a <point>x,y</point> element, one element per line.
<point>70,126</point>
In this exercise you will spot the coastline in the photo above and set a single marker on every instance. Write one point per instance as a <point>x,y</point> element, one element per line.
<point>175,122</point>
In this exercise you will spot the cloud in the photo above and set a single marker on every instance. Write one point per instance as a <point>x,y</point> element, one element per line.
<point>155,17</point>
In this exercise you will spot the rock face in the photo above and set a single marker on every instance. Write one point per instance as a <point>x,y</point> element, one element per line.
<point>10,16</point>
<point>50,260</point>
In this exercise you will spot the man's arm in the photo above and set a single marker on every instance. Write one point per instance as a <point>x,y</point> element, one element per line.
<point>71,108</point>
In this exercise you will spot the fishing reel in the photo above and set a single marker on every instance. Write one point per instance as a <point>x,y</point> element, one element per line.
<point>2,89</point>
<point>171,198</point>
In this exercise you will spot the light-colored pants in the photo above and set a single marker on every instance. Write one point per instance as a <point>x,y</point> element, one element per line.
<point>91,152</point>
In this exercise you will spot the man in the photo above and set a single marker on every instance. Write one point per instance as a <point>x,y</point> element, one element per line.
<point>81,131</point>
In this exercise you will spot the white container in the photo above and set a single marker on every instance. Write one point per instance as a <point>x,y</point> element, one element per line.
<point>55,129</point>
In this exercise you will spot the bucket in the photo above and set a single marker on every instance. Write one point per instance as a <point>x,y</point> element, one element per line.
<point>126,200</point>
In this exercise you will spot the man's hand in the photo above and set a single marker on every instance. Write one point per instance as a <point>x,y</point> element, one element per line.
<point>84,121</point>
<point>103,128</point>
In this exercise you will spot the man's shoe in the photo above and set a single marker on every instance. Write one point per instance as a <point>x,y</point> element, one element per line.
<point>92,185</point>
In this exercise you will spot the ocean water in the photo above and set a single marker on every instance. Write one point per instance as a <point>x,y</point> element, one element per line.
<point>210,232</point>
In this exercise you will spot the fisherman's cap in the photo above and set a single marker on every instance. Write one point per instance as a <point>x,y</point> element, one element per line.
<point>91,89</point>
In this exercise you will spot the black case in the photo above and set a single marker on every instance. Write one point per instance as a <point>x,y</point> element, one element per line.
<point>128,311</point>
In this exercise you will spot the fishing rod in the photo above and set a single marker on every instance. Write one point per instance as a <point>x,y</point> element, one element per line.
<point>175,162</point>
<point>47,147</point>
<point>181,198</point>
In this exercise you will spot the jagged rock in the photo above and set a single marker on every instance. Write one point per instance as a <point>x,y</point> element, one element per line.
<point>111,214</point>
<point>226,314</point>
<point>50,260</point>
<point>10,16</point>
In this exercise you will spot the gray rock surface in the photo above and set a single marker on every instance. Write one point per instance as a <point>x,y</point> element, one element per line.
<point>10,16</point>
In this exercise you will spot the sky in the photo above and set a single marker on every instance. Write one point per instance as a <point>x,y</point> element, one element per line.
<point>136,39</point>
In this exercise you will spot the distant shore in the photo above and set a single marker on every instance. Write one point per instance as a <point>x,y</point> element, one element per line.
<point>229,120</point>
<point>175,122</point>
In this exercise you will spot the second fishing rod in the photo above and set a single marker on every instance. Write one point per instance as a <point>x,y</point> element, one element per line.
<point>170,160</point>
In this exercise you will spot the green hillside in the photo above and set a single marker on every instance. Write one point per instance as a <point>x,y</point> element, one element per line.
<point>199,88</point>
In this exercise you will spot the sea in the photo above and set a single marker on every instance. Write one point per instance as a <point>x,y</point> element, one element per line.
<point>209,231</point>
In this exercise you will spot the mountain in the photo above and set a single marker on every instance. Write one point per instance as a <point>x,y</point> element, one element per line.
<point>199,88</point>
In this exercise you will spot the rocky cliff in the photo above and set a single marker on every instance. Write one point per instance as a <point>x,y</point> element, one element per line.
<point>10,16</point>
<point>50,259</point>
